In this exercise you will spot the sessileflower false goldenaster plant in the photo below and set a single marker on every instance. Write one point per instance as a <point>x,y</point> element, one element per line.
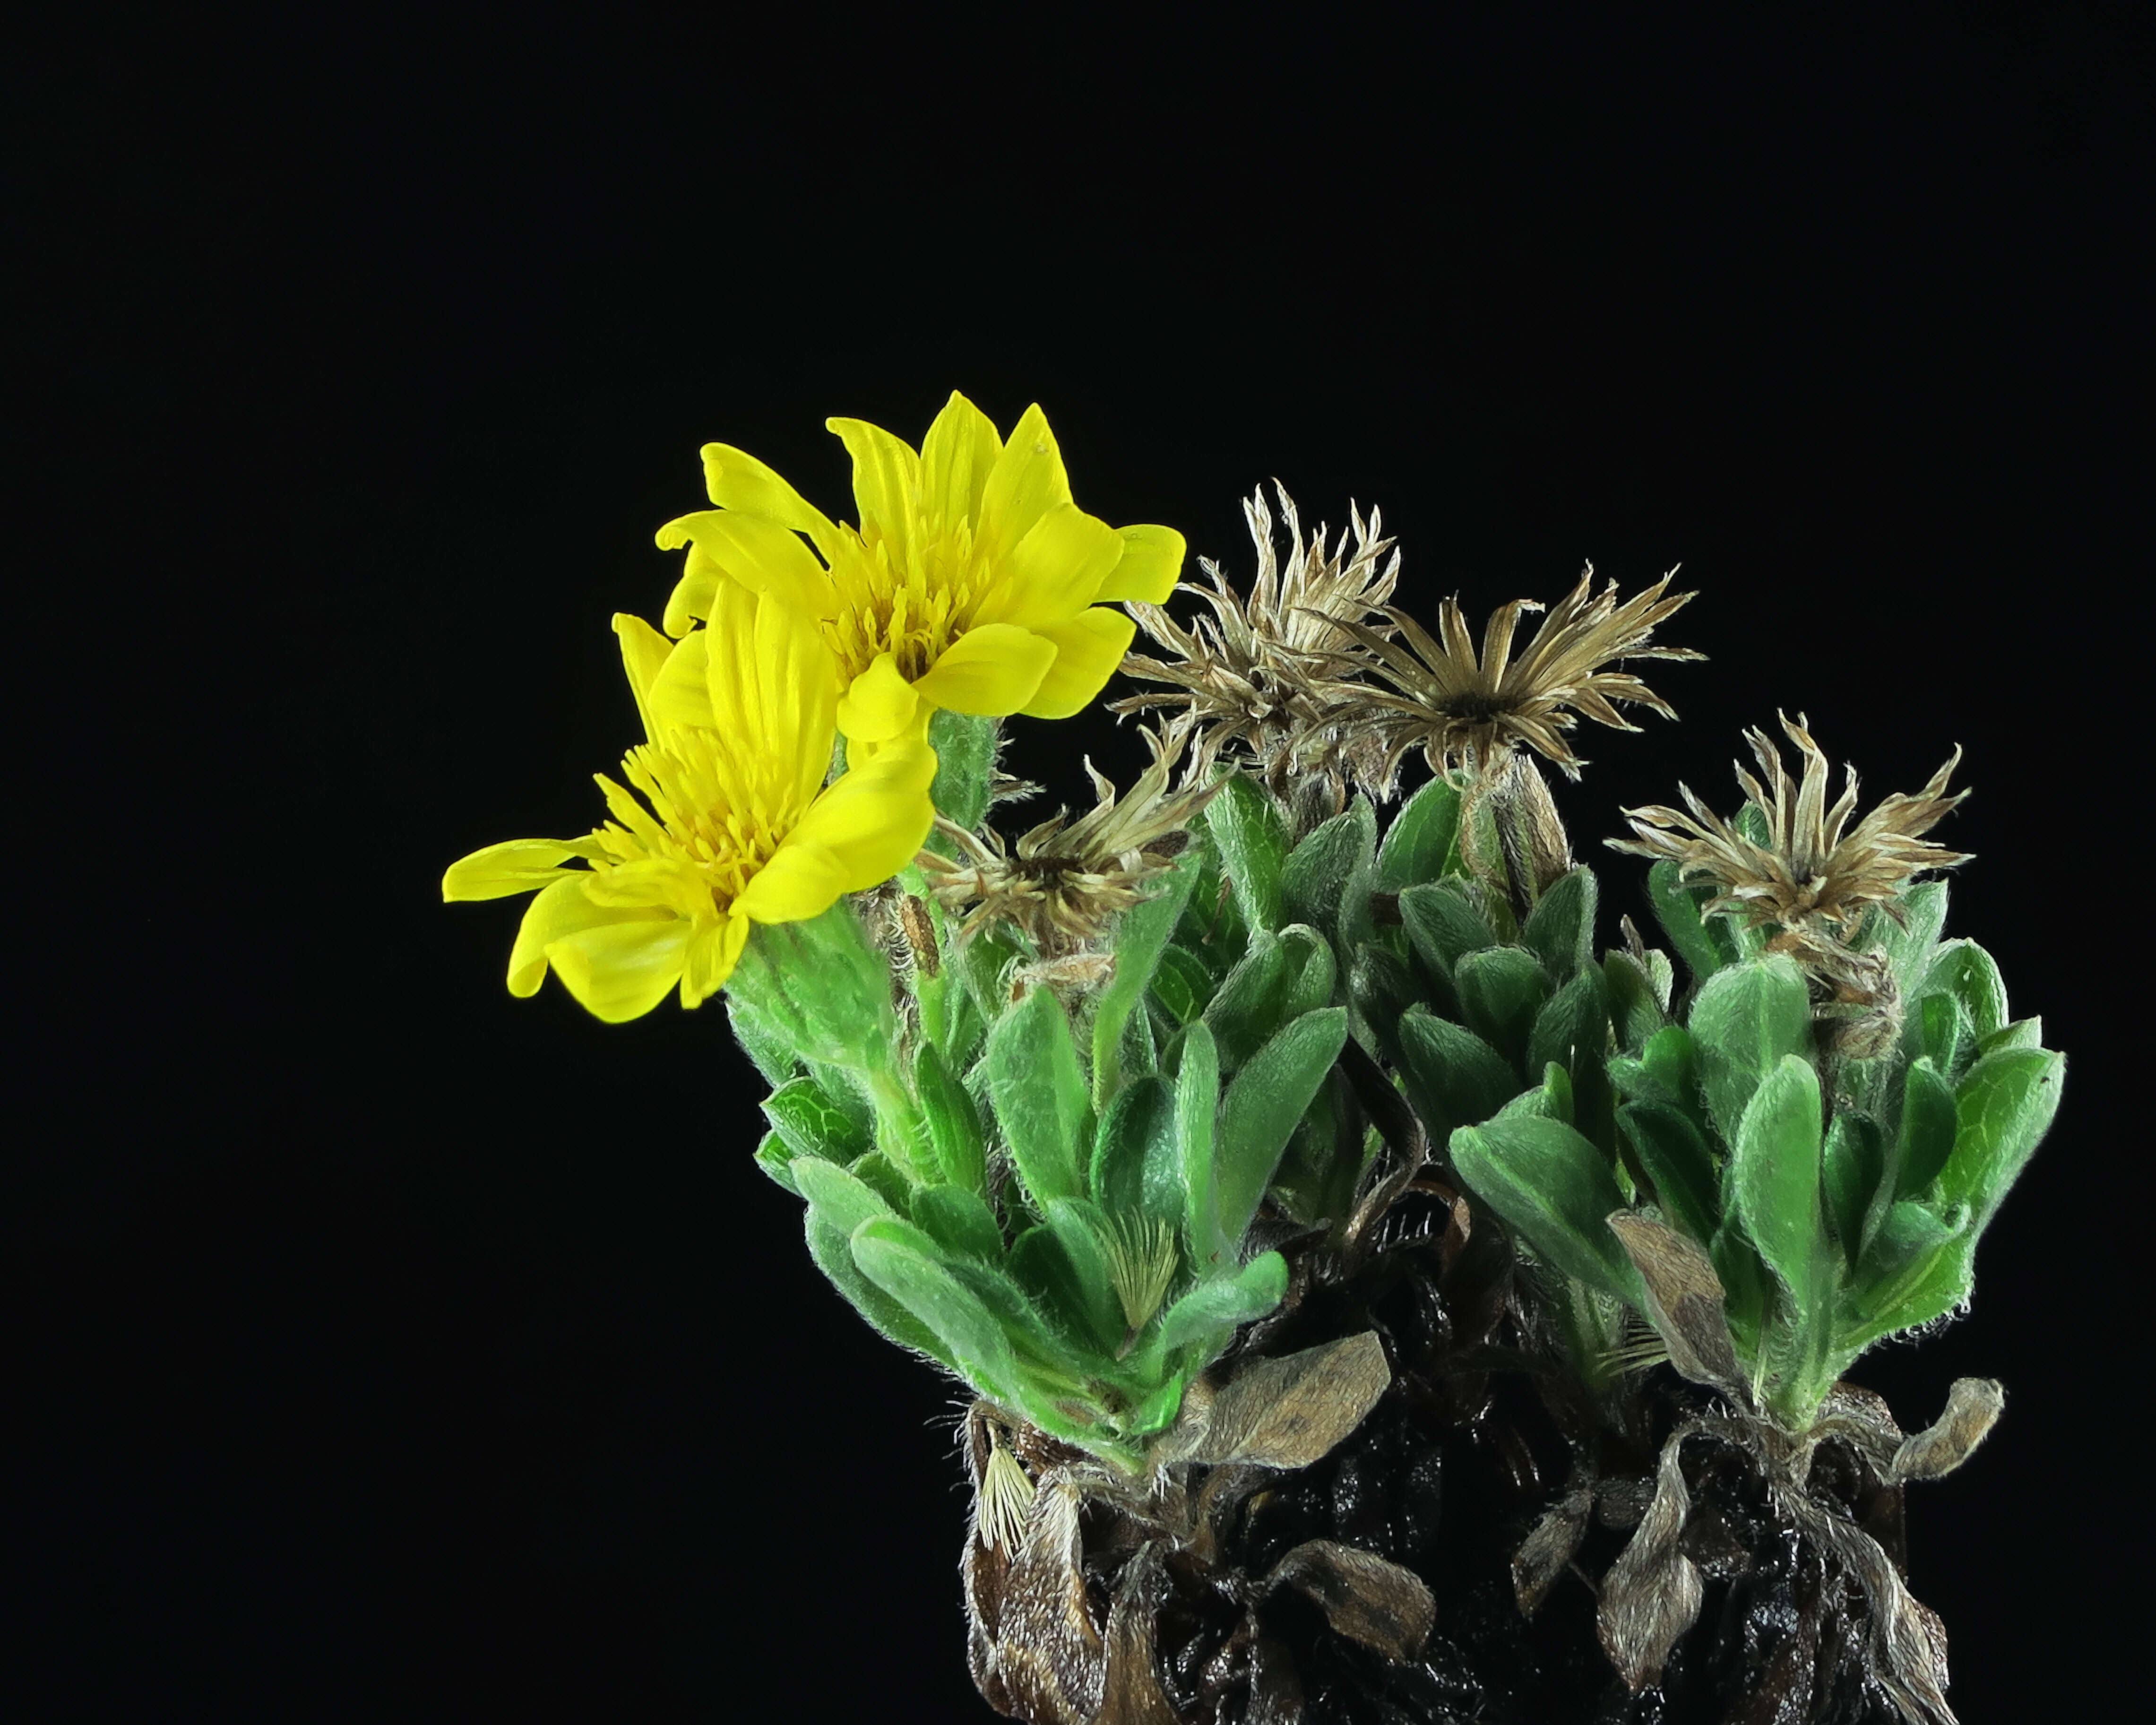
<point>1286,1189</point>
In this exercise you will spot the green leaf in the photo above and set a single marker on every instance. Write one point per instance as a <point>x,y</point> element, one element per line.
<point>1183,984</point>
<point>1927,1137</point>
<point>903,1262</point>
<point>1932,1279</point>
<point>772,1154</point>
<point>1965,970</point>
<point>1251,1002</point>
<point>965,768</point>
<point>1560,929</point>
<point>960,1222</point>
<point>1211,1312</point>
<point>881,1175</point>
<point>1039,1096</point>
<point>1082,1229</point>
<point>1635,1002</point>
<point>1311,968</point>
<point>1855,1170</point>
<point>1159,1409</point>
<point>1453,1077</point>
<point>1669,1147</point>
<point>1419,838</point>
<point>2003,1108</point>
<point>1775,1176</point>
<point>2022,1033</point>
<point>1747,1018</point>
<point>1326,881</point>
<point>1381,990</point>
<point>1553,1190</point>
<point>1196,1106</point>
<point>1263,1104</point>
<point>1748,1286</point>
<point>1550,1100</point>
<point>1938,1030</point>
<point>1909,949</point>
<point>1141,937</point>
<point>1073,1292</point>
<point>954,1124</point>
<point>1502,990</point>
<point>1573,1031</point>
<point>841,1199</point>
<point>1704,942</point>
<point>1138,1168</point>
<point>832,1254</point>
<point>1443,927</point>
<point>1251,837</point>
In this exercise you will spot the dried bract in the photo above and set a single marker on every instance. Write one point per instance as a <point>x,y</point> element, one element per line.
<point>1459,709</point>
<point>1254,677</point>
<point>1062,882</point>
<point>1816,872</point>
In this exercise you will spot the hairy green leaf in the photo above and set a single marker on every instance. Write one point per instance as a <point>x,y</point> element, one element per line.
<point>1443,925</point>
<point>1501,989</point>
<point>954,1124</point>
<point>1669,1148</point>
<point>1248,831</point>
<point>1453,1077</point>
<point>2003,1108</point>
<point>1263,1103</point>
<point>1197,1109</point>
<point>1419,838</point>
<point>1141,936</point>
<point>1207,1317</point>
<point>1554,1189</point>
<point>1039,1096</point>
<point>1746,1020</point>
<point>1560,929</point>
<point>1326,881</point>
<point>1137,1166</point>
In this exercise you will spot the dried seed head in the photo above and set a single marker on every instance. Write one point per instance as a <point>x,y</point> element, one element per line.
<point>1141,1253</point>
<point>1459,709</point>
<point>1254,678</point>
<point>1816,874</point>
<point>1065,880</point>
<point>1005,1498</point>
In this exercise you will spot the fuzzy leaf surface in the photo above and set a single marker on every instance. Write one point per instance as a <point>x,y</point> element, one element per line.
<point>1670,1149</point>
<point>1554,1189</point>
<point>1252,839</point>
<point>1776,1175</point>
<point>1422,835</point>
<point>1443,927</point>
<point>1560,929</point>
<point>1264,1103</point>
<point>1502,990</point>
<point>1197,1110</point>
<point>1212,1312</point>
<point>1252,998</point>
<point>2003,1108</point>
<point>1141,937</point>
<point>1326,881</point>
<point>1138,1168</point>
<point>1040,1096</point>
<point>1749,1018</point>
<point>954,1124</point>
<point>1453,1077</point>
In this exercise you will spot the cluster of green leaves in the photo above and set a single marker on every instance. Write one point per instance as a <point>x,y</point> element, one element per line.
<point>1840,1200</point>
<point>1055,1201</point>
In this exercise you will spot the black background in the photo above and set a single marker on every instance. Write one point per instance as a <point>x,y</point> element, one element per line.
<point>393,1347</point>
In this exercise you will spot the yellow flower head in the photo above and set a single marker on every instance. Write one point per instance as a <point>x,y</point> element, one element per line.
<point>972,583</point>
<point>740,827</point>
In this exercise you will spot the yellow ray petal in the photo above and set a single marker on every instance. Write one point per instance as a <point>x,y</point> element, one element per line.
<point>880,704</point>
<point>859,833</point>
<point>619,971</point>
<point>1027,481</point>
<point>1088,648</point>
<point>680,694</point>
<point>561,910</point>
<point>990,670</point>
<point>734,479</point>
<point>714,949</point>
<point>761,554</point>
<point>644,653</point>
<point>957,457</point>
<point>1052,574</point>
<point>1152,564</point>
<point>520,865</point>
<point>887,485</point>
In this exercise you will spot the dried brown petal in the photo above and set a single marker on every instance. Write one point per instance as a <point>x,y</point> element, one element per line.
<point>1546,1552</point>
<point>1684,1299</point>
<point>1651,1594</point>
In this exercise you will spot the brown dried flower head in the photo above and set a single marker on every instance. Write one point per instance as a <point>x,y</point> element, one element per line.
<point>1816,872</point>
<point>1061,883</point>
<point>1463,710</point>
<point>1254,677</point>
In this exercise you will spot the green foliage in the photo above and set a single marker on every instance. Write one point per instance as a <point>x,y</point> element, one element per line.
<point>1141,937</point>
<point>2002,1108</point>
<point>1552,1188</point>
<point>1705,943</point>
<point>953,1123</point>
<point>965,769</point>
<point>1747,1018</point>
<point>1326,881</point>
<point>1560,929</point>
<point>1422,842</point>
<point>1453,1077</point>
<point>1502,990</point>
<point>1775,1175</point>
<point>1263,1102</point>
<point>1040,1096</point>
<point>1444,925</point>
<point>1251,834</point>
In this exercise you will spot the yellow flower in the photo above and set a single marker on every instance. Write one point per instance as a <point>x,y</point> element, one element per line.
<point>972,583</point>
<point>740,828</point>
